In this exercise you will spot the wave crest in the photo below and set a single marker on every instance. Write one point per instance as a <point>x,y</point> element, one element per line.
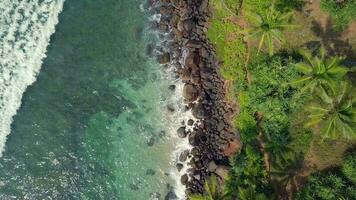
<point>25,30</point>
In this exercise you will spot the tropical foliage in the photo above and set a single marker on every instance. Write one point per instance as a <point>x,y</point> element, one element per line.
<point>285,88</point>
<point>319,72</point>
<point>349,168</point>
<point>335,115</point>
<point>342,11</point>
<point>267,27</point>
<point>327,186</point>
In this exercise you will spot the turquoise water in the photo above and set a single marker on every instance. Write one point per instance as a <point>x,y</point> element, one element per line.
<point>92,126</point>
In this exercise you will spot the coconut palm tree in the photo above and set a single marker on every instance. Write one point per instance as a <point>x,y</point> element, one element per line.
<point>212,191</point>
<point>319,72</point>
<point>335,115</point>
<point>267,27</point>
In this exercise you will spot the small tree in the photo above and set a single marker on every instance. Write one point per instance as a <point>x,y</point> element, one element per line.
<point>267,27</point>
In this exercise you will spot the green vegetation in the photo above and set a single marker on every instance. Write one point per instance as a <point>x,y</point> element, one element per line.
<point>319,72</point>
<point>342,12</point>
<point>336,115</point>
<point>338,183</point>
<point>267,27</point>
<point>213,191</point>
<point>296,107</point>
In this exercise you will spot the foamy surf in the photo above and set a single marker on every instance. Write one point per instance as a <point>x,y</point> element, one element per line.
<point>25,30</point>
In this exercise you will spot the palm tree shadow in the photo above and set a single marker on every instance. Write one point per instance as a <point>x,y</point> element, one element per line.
<point>331,39</point>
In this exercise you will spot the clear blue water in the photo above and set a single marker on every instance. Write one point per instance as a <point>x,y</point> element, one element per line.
<point>91,126</point>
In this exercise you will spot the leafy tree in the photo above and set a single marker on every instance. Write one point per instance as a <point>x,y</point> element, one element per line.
<point>319,72</point>
<point>212,191</point>
<point>327,186</point>
<point>349,168</point>
<point>335,115</point>
<point>267,27</point>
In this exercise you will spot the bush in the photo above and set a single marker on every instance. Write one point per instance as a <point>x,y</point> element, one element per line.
<point>327,186</point>
<point>349,168</point>
<point>270,93</point>
<point>248,173</point>
<point>342,12</point>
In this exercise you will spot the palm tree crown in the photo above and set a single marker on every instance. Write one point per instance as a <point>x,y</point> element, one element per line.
<point>268,27</point>
<point>335,115</point>
<point>319,72</point>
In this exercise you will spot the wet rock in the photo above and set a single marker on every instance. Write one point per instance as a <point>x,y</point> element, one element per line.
<point>150,172</point>
<point>171,108</point>
<point>212,166</point>
<point>170,196</point>
<point>151,142</point>
<point>134,187</point>
<point>182,133</point>
<point>183,156</point>
<point>162,134</point>
<point>172,87</point>
<point>179,166</point>
<point>190,122</point>
<point>184,179</point>
<point>164,58</point>
<point>198,111</point>
<point>190,93</point>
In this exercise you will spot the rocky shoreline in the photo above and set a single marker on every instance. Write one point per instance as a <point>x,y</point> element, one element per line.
<point>193,58</point>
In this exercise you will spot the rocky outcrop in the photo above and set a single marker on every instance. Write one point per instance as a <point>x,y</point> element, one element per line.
<point>196,64</point>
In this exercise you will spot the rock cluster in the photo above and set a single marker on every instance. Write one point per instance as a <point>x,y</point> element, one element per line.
<point>197,66</point>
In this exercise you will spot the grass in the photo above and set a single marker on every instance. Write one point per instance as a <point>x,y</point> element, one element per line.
<point>224,34</point>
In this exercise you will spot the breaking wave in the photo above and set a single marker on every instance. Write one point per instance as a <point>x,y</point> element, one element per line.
<point>25,30</point>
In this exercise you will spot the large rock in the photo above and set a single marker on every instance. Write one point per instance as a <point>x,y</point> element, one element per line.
<point>184,156</point>
<point>182,133</point>
<point>164,58</point>
<point>184,179</point>
<point>190,93</point>
<point>212,166</point>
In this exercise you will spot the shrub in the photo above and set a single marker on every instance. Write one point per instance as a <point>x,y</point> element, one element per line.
<point>349,168</point>
<point>327,186</point>
<point>342,12</point>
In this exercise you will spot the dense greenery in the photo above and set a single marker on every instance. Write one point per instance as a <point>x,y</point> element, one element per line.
<point>248,176</point>
<point>342,12</point>
<point>320,72</point>
<point>335,184</point>
<point>289,101</point>
<point>335,115</point>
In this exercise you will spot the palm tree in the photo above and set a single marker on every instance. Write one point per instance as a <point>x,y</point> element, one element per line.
<point>336,115</point>
<point>319,72</point>
<point>212,191</point>
<point>267,27</point>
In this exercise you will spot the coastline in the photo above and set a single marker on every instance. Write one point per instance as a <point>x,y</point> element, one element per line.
<point>207,137</point>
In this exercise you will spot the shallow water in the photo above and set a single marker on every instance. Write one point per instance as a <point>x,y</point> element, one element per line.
<point>92,125</point>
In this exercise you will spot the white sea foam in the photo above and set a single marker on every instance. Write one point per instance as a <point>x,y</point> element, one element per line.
<point>25,30</point>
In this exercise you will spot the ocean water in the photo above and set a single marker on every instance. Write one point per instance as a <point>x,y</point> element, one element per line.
<point>92,123</point>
